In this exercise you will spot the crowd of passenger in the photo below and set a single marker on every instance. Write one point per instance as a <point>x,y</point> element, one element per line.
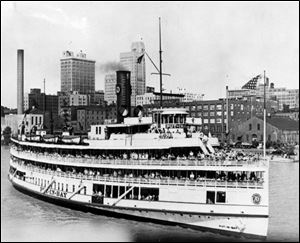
<point>148,175</point>
<point>219,155</point>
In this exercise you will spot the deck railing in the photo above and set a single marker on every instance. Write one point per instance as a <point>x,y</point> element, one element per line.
<point>203,182</point>
<point>136,162</point>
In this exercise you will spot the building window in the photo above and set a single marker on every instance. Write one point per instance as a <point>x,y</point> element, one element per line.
<point>212,113</point>
<point>258,127</point>
<point>212,107</point>
<point>250,127</point>
<point>205,107</point>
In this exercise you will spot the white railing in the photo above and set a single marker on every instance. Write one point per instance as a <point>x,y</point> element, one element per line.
<point>135,162</point>
<point>149,181</point>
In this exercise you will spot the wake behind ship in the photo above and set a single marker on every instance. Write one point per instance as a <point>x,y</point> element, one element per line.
<point>167,172</point>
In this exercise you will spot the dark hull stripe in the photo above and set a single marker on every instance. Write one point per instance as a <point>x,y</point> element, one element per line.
<point>104,210</point>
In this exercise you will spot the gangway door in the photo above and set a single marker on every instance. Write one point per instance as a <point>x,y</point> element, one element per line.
<point>202,146</point>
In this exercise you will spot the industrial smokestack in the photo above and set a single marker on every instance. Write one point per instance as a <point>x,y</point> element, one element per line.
<point>20,81</point>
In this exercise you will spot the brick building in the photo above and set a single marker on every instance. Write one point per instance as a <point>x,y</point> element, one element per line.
<point>280,129</point>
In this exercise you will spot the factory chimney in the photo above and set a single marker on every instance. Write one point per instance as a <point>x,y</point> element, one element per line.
<point>20,81</point>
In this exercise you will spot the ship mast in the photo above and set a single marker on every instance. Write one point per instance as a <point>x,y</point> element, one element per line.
<point>160,65</point>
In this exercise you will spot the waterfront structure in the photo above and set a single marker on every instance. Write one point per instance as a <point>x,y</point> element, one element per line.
<point>110,95</point>
<point>20,81</point>
<point>47,104</point>
<point>77,73</point>
<point>171,175</point>
<point>255,87</point>
<point>30,120</point>
<point>214,114</point>
<point>129,60</point>
<point>154,97</point>
<point>92,115</point>
<point>282,129</point>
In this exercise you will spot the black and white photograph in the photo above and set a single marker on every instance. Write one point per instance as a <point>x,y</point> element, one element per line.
<point>149,121</point>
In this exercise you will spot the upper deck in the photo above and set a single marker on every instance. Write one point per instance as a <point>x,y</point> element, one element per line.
<point>164,163</point>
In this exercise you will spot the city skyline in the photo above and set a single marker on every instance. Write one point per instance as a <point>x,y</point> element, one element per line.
<point>205,44</point>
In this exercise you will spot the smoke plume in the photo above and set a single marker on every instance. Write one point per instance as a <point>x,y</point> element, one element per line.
<point>111,67</point>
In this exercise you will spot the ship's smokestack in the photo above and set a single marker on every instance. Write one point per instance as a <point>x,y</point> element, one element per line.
<point>123,91</point>
<point>20,81</point>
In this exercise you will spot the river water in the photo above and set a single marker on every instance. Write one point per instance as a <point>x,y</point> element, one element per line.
<point>24,218</point>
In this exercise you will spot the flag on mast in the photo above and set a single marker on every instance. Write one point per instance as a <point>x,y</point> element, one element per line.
<point>140,58</point>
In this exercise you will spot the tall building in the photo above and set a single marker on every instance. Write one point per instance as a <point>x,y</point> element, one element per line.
<point>255,87</point>
<point>110,95</point>
<point>77,73</point>
<point>137,69</point>
<point>20,81</point>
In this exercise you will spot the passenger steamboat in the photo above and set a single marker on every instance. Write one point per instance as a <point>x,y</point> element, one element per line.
<point>172,173</point>
<point>159,168</point>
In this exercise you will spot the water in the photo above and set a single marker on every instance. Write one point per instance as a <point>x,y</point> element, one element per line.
<point>24,218</point>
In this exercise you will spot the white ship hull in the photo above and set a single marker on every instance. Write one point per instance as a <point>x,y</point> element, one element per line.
<point>201,216</point>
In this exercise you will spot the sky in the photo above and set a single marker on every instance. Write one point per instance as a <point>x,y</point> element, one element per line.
<point>206,45</point>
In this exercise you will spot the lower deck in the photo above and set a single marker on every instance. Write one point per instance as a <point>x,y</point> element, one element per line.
<point>206,199</point>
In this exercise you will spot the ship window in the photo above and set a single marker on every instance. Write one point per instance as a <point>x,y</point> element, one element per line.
<point>210,197</point>
<point>62,186</point>
<point>221,197</point>
<point>84,190</point>
<point>39,181</point>
<point>115,192</point>
<point>58,186</point>
<point>108,191</point>
<point>150,194</point>
<point>73,188</point>
<point>96,130</point>
<point>66,187</point>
